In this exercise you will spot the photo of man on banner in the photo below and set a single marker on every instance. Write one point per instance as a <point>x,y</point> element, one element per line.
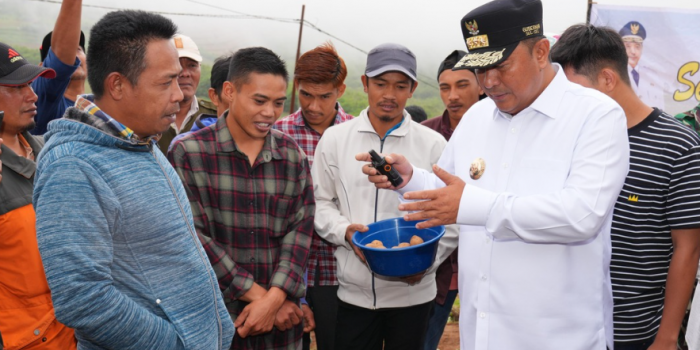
<point>633,35</point>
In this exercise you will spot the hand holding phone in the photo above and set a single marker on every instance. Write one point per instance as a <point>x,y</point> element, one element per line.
<point>384,168</point>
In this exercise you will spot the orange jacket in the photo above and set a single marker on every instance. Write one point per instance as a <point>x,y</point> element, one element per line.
<point>27,319</point>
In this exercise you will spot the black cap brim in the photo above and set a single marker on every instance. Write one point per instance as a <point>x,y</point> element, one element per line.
<point>25,74</point>
<point>486,58</point>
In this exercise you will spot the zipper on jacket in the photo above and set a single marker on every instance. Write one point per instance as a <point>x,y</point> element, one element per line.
<point>376,204</point>
<point>196,239</point>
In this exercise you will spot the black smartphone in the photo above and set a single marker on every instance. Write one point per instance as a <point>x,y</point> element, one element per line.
<point>2,115</point>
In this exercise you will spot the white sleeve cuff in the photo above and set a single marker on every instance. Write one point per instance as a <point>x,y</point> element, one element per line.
<point>417,182</point>
<point>475,206</point>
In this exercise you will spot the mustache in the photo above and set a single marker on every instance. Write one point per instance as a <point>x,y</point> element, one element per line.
<point>173,110</point>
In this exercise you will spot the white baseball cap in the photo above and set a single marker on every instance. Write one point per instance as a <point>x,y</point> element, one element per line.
<point>186,47</point>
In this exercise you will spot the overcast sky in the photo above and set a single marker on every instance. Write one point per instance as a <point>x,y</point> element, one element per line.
<point>429,28</point>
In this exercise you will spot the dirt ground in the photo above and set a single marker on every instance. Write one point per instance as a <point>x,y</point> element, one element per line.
<point>449,340</point>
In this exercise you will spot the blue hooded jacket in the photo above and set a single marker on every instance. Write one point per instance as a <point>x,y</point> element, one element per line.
<point>122,258</point>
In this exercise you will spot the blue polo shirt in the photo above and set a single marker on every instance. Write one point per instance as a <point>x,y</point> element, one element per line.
<point>52,104</point>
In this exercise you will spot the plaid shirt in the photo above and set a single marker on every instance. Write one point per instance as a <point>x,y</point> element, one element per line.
<point>255,222</point>
<point>321,257</point>
<point>86,103</point>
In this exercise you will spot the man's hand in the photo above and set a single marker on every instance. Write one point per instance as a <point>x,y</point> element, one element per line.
<point>288,316</point>
<point>0,161</point>
<point>258,317</point>
<point>400,164</point>
<point>438,207</point>
<point>309,322</point>
<point>348,237</point>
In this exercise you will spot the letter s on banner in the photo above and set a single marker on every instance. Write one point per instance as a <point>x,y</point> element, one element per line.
<point>689,68</point>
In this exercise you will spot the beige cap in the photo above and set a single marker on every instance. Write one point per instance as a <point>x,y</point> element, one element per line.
<point>186,47</point>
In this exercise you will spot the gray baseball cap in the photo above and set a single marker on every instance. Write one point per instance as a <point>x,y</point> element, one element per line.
<point>391,57</point>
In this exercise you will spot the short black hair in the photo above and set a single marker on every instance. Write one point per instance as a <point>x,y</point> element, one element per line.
<point>417,113</point>
<point>255,60</point>
<point>588,49</point>
<point>118,44</point>
<point>219,73</point>
<point>450,62</point>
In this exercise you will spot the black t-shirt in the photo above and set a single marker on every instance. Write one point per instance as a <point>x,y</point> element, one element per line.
<point>661,192</point>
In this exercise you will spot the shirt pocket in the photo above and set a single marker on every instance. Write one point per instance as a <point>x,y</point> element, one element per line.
<point>280,212</point>
<point>540,176</point>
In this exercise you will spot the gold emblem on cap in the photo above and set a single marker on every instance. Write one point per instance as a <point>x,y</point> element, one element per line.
<point>632,39</point>
<point>481,59</point>
<point>477,42</point>
<point>472,27</point>
<point>532,30</point>
<point>476,170</point>
<point>178,43</point>
<point>634,28</point>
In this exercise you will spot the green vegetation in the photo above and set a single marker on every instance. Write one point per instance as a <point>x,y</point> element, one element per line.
<point>31,55</point>
<point>204,81</point>
<point>353,101</point>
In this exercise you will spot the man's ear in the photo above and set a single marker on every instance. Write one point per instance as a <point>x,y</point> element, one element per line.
<point>229,90</point>
<point>115,85</point>
<point>608,80</point>
<point>341,90</point>
<point>213,97</point>
<point>541,52</point>
<point>365,82</point>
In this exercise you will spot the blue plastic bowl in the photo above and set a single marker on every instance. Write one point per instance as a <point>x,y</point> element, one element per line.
<point>398,262</point>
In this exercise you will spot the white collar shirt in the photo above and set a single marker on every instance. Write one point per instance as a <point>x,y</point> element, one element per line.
<point>534,247</point>
<point>194,108</point>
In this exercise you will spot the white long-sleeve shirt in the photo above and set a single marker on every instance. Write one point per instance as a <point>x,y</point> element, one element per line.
<point>534,248</point>
<point>344,196</point>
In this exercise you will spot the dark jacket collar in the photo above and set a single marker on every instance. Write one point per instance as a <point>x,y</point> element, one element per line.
<point>23,166</point>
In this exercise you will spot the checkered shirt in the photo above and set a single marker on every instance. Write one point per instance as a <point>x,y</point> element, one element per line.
<point>86,103</point>
<point>321,257</point>
<point>255,222</point>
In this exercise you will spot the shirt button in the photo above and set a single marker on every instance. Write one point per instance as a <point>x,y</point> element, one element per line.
<point>252,259</point>
<point>252,232</point>
<point>505,165</point>
<point>36,332</point>
<point>483,277</point>
<point>251,203</point>
<point>513,130</point>
<point>157,301</point>
<point>482,315</point>
<point>43,339</point>
<point>487,240</point>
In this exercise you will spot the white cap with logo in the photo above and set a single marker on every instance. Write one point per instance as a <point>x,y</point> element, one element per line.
<point>186,47</point>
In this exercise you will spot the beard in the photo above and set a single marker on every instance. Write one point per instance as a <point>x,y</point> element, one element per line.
<point>28,127</point>
<point>386,118</point>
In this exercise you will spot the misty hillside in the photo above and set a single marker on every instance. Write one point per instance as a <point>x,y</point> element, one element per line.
<point>24,23</point>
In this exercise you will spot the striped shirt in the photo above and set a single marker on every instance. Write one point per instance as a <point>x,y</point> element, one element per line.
<point>661,193</point>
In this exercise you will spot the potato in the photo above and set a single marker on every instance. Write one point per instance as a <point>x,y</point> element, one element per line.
<point>404,244</point>
<point>376,244</point>
<point>415,240</point>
